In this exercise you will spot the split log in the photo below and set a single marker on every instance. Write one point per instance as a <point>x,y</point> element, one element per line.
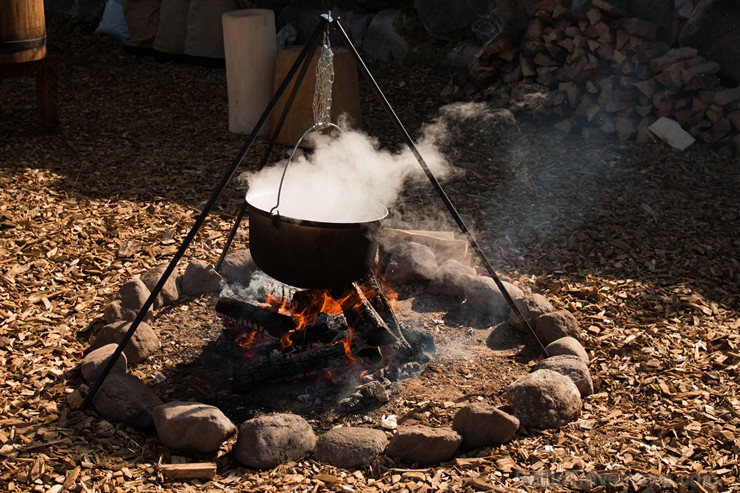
<point>252,315</point>
<point>280,367</point>
<point>362,317</point>
<point>320,328</point>
<point>193,470</point>
<point>576,55</point>
<point>374,293</point>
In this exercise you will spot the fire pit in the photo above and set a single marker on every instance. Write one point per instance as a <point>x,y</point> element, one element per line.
<point>306,333</point>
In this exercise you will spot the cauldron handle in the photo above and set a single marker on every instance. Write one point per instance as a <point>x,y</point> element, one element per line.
<point>314,127</point>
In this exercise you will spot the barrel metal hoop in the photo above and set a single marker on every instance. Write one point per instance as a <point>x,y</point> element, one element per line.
<point>24,44</point>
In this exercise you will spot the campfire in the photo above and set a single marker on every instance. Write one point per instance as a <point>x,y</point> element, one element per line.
<point>295,334</point>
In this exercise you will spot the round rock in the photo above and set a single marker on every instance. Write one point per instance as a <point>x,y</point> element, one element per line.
<point>531,306</point>
<point>555,325</point>
<point>568,346</point>
<point>169,293</point>
<point>350,447</point>
<point>544,399</point>
<point>142,344</point>
<point>483,295</point>
<point>126,399</point>
<point>131,298</point>
<point>483,425</point>
<point>200,278</point>
<point>95,361</point>
<point>383,40</point>
<point>450,278</point>
<point>192,428</point>
<point>268,441</point>
<point>572,367</point>
<point>411,261</point>
<point>238,267</point>
<point>423,445</point>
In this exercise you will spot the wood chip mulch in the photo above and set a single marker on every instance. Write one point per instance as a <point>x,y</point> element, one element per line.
<point>640,243</point>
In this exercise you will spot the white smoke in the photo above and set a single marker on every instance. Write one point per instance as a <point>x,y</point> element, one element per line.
<point>345,177</point>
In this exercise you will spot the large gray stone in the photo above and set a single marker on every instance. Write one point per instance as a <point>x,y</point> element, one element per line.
<point>531,307</point>
<point>126,399</point>
<point>462,54</point>
<point>554,325</point>
<point>482,425</point>
<point>572,367</point>
<point>350,447</point>
<point>268,441</point>
<point>238,267</point>
<point>131,296</point>
<point>410,261</point>
<point>192,428</point>
<point>570,346</point>
<point>382,40</point>
<point>169,293</point>
<point>200,278</point>
<point>713,29</point>
<point>483,295</point>
<point>544,399</point>
<point>93,364</point>
<point>423,445</point>
<point>142,344</point>
<point>450,278</point>
<point>443,19</point>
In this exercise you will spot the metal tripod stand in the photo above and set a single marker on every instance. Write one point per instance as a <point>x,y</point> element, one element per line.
<point>299,67</point>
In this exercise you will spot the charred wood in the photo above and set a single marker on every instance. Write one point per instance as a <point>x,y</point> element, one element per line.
<point>255,316</point>
<point>280,367</point>
<point>381,304</point>
<point>362,317</point>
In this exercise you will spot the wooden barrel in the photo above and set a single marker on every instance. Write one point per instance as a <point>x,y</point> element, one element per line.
<point>345,93</point>
<point>22,31</point>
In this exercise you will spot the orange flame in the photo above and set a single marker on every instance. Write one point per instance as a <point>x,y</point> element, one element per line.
<point>347,343</point>
<point>311,305</point>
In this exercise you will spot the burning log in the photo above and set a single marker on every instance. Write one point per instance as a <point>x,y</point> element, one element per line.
<point>280,367</point>
<point>363,318</point>
<point>324,328</point>
<point>259,317</point>
<point>307,336</point>
<point>382,306</point>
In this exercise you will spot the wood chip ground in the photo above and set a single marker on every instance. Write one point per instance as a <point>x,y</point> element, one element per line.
<point>640,243</point>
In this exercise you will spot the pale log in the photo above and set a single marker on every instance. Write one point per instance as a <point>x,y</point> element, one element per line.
<point>194,470</point>
<point>443,243</point>
<point>249,46</point>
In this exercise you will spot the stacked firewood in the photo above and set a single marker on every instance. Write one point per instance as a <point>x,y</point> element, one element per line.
<point>604,71</point>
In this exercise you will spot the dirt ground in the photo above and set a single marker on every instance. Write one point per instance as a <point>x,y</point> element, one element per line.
<point>639,242</point>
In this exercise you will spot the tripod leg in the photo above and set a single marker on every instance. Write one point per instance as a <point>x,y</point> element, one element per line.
<point>198,223</point>
<point>437,187</point>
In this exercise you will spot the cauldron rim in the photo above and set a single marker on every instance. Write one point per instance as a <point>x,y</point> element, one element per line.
<point>252,197</point>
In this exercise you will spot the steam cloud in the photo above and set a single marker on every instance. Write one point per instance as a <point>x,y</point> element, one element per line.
<point>345,178</point>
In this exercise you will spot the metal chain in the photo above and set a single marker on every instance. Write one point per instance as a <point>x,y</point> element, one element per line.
<point>324,83</point>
